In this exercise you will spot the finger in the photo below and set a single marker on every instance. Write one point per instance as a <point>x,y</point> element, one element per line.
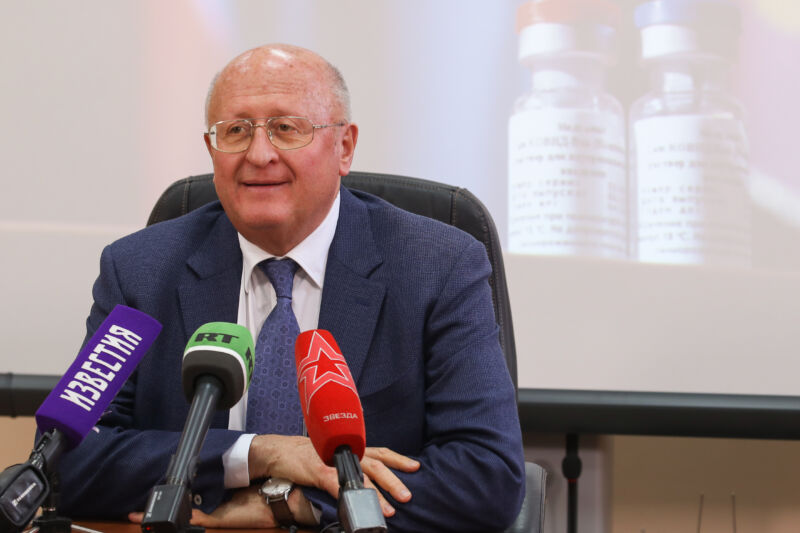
<point>386,507</point>
<point>328,480</point>
<point>199,518</point>
<point>382,476</point>
<point>392,459</point>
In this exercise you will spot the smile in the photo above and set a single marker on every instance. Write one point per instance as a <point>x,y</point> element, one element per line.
<point>265,184</point>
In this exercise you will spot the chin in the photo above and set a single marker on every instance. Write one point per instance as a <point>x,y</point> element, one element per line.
<point>264,224</point>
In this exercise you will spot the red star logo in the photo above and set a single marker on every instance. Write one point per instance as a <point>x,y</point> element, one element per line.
<point>321,365</point>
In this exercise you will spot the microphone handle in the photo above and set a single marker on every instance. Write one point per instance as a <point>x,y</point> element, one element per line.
<point>48,450</point>
<point>359,510</point>
<point>208,390</point>
<point>348,467</point>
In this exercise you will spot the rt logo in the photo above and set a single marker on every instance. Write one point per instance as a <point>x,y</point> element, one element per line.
<point>226,338</point>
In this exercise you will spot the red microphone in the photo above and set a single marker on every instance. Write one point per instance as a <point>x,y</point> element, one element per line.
<point>335,425</point>
<point>331,407</point>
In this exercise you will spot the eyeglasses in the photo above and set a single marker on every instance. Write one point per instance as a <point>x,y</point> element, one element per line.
<point>285,133</point>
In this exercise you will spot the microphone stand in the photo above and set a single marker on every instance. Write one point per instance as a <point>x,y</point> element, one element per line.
<point>359,510</point>
<point>49,521</point>
<point>169,507</point>
<point>44,457</point>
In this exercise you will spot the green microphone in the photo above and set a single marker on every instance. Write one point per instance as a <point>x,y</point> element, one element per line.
<point>223,350</point>
<point>217,365</point>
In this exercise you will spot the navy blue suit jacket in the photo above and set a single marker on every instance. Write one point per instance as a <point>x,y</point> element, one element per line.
<point>407,300</point>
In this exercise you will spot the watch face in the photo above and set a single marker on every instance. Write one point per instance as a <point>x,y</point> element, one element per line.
<point>276,487</point>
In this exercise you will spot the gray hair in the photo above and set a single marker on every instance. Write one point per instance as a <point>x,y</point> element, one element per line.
<point>338,88</point>
<point>208,97</point>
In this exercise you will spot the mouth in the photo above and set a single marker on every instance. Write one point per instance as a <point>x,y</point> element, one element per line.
<point>265,185</point>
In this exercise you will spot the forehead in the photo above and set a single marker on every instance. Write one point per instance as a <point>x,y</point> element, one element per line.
<point>262,83</point>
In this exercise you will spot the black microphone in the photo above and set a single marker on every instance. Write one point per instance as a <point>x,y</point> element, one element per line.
<point>71,410</point>
<point>216,370</point>
<point>335,423</point>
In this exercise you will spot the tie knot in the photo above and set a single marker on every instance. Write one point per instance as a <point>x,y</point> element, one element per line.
<point>281,274</point>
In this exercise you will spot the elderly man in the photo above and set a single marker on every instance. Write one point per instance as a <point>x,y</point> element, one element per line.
<point>406,298</point>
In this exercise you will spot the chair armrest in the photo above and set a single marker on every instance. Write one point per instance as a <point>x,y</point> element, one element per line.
<point>531,515</point>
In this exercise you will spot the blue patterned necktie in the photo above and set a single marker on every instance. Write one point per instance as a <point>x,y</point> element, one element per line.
<point>273,406</point>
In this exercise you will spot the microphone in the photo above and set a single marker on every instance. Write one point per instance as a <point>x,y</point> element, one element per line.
<point>216,369</point>
<point>335,424</point>
<point>73,407</point>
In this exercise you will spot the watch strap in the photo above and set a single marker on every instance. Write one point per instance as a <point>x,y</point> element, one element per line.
<point>280,509</point>
<point>279,501</point>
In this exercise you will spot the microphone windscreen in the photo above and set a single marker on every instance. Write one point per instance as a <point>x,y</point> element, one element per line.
<point>328,395</point>
<point>109,357</point>
<point>223,350</point>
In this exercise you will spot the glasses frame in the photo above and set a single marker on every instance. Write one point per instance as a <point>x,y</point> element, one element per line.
<point>212,131</point>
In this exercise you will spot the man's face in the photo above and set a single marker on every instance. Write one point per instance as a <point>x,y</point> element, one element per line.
<point>275,198</point>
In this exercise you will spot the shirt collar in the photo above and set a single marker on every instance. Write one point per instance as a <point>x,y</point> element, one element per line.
<point>311,254</point>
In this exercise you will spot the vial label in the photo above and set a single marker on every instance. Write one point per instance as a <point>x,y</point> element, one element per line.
<point>693,206</point>
<point>567,190</point>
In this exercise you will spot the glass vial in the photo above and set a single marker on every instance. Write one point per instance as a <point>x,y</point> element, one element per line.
<point>567,156</point>
<point>689,154</point>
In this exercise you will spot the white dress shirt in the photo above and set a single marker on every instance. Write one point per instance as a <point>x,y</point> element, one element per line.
<point>256,300</point>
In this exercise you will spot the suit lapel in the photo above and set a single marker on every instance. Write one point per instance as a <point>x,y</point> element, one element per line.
<point>208,290</point>
<point>353,292</point>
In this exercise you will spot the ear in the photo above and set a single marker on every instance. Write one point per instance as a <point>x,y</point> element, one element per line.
<point>207,139</point>
<point>348,145</point>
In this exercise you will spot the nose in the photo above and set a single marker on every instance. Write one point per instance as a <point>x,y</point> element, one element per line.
<point>261,151</point>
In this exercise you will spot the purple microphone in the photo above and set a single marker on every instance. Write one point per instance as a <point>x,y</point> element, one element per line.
<point>84,392</point>
<point>70,411</point>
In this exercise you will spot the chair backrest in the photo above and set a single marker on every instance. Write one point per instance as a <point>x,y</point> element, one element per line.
<point>453,205</point>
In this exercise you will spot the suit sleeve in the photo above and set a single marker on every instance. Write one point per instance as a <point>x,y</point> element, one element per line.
<point>116,466</point>
<point>472,467</point>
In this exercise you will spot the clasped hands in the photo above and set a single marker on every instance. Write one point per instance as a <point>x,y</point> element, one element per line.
<point>294,458</point>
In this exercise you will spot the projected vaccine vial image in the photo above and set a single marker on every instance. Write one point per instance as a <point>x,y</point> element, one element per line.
<point>661,177</point>
<point>567,155</point>
<point>689,154</point>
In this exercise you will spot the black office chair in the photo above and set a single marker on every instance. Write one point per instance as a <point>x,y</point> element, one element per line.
<point>455,206</point>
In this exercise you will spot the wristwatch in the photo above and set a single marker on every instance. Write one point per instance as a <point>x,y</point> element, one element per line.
<point>275,491</point>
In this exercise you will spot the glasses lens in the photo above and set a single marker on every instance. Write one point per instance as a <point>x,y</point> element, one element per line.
<point>287,133</point>
<point>233,135</point>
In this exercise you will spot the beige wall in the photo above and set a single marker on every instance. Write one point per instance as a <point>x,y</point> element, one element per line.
<point>17,439</point>
<point>657,483</point>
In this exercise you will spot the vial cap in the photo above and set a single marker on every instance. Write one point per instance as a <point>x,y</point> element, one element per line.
<point>675,27</point>
<point>594,12</point>
<point>567,27</point>
<point>705,14</point>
